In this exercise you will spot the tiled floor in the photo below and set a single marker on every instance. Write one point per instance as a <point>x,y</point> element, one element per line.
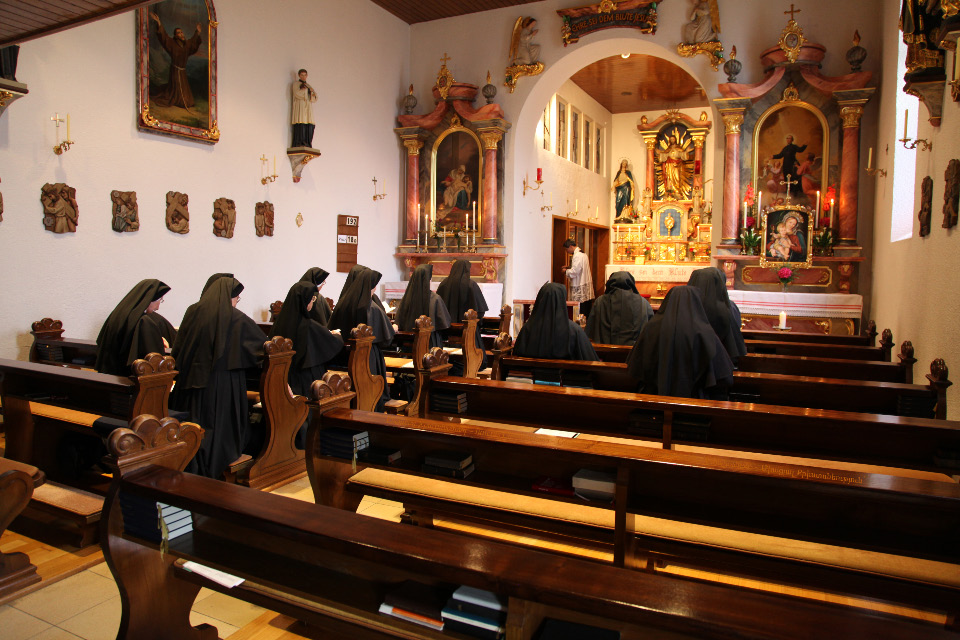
<point>86,606</point>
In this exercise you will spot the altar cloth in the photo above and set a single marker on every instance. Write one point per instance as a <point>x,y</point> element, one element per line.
<point>492,293</point>
<point>656,272</point>
<point>806,305</point>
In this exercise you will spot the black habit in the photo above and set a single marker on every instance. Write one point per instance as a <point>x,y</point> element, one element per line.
<point>618,316</point>
<point>678,353</point>
<point>215,345</point>
<point>722,313</point>
<point>321,308</point>
<point>129,332</point>
<point>549,333</point>
<point>418,300</point>
<point>460,293</point>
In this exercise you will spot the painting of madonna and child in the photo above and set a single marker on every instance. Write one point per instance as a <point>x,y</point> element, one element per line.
<point>790,157</point>
<point>457,178</point>
<point>786,236</point>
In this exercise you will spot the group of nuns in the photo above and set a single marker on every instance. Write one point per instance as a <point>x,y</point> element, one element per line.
<point>688,348</point>
<point>217,343</point>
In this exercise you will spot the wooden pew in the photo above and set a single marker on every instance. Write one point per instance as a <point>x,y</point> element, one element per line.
<point>853,534</point>
<point>50,347</point>
<point>908,443</point>
<point>331,569</point>
<point>17,484</point>
<point>922,401</point>
<point>491,328</point>
<point>43,403</point>
<point>901,371</point>
<point>867,339</point>
<point>464,334</point>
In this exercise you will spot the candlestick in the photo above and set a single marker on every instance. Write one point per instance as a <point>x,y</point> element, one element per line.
<point>783,319</point>
<point>870,158</point>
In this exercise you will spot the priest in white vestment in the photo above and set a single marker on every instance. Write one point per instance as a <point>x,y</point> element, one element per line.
<point>581,281</point>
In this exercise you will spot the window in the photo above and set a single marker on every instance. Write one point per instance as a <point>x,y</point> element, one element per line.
<point>562,128</point>
<point>587,142</point>
<point>575,136</point>
<point>904,160</point>
<point>546,127</point>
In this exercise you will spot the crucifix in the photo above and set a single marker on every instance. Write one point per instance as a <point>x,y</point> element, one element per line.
<point>789,184</point>
<point>792,11</point>
<point>445,58</point>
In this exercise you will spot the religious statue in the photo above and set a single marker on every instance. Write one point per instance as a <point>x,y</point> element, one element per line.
<point>674,172</point>
<point>919,21</point>
<point>926,205</point>
<point>224,217</point>
<point>176,91</point>
<point>60,210</point>
<point>701,27</point>
<point>301,113</point>
<point>524,55</point>
<point>125,211</point>
<point>625,192</point>
<point>692,221</point>
<point>951,193</point>
<point>263,219</point>
<point>178,217</point>
<point>787,242</point>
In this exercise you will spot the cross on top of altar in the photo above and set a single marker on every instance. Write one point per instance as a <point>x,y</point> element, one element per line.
<point>445,59</point>
<point>789,184</point>
<point>792,11</point>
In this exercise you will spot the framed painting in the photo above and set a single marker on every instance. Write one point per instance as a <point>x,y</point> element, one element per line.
<point>457,176</point>
<point>668,219</point>
<point>791,145</point>
<point>177,69</point>
<point>785,237</point>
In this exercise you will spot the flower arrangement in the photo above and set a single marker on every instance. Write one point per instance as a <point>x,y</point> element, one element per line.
<point>823,240</point>
<point>750,240</point>
<point>785,275</point>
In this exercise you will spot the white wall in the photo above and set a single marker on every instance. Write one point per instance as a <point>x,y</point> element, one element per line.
<point>90,72</point>
<point>916,295</point>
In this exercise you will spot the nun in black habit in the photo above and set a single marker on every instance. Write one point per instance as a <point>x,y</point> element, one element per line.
<point>321,308</point>
<point>358,305</point>
<point>213,279</point>
<point>134,329</point>
<point>215,345</point>
<point>723,314</point>
<point>618,316</point>
<point>460,293</point>
<point>418,300</point>
<point>678,353</point>
<point>550,333</point>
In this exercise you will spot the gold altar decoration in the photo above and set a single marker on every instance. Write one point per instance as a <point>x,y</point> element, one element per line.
<point>713,51</point>
<point>672,235</point>
<point>517,71</point>
<point>791,38</point>
<point>444,78</point>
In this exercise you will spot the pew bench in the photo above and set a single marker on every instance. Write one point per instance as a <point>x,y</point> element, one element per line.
<point>852,534</point>
<point>867,339</point>
<point>18,482</point>
<point>331,569</point>
<point>824,367</point>
<point>50,347</point>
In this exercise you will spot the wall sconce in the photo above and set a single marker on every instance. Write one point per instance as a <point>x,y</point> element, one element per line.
<point>547,207</point>
<point>596,217</point>
<point>925,145</point>
<point>526,184</point>
<point>377,196</point>
<point>61,147</point>
<point>272,177</point>
<point>576,209</point>
<point>870,170</point>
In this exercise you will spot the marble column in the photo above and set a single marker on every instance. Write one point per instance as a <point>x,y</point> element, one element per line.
<point>732,110</point>
<point>411,137</point>
<point>651,162</point>
<point>491,133</point>
<point>851,103</point>
<point>698,161</point>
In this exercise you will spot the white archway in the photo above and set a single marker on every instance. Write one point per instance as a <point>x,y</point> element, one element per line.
<point>527,231</point>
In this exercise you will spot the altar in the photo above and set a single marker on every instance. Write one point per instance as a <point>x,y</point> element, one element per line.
<point>654,280</point>
<point>837,313</point>
<point>492,295</point>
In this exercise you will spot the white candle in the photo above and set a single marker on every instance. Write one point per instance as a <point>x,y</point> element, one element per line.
<point>816,213</point>
<point>906,116</point>
<point>870,158</point>
<point>759,201</point>
<point>831,212</point>
<point>744,214</point>
<point>783,319</point>
<point>576,205</point>
<point>68,128</point>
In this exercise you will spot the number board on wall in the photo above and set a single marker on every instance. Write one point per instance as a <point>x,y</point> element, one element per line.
<point>348,230</point>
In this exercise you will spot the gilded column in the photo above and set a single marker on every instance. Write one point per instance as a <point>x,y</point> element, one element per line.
<point>651,145</point>
<point>851,109</point>
<point>732,110</point>
<point>698,161</point>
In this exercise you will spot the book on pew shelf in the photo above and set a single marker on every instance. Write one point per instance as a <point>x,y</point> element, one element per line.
<point>556,432</point>
<point>556,486</point>
<point>379,455</point>
<point>448,458</point>
<point>553,629</point>
<point>490,616</point>
<point>338,434</point>
<point>343,449</point>
<point>425,600</point>
<point>447,472</point>
<point>474,626</point>
<point>410,616</point>
<point>594,485</point>
<point>153,521</point>
<point>479,597</point>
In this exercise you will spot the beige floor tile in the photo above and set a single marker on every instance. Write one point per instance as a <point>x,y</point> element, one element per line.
<point>226,609</point>
<point>101,570</point>
<point>96,623</point>
<point>224,630</point>
<point>17,625</point>
<point>204,592</point>
<point>67,598</point>
<point>56,633</point>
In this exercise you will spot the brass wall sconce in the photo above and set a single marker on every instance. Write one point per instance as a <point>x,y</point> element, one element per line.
<point>64,146</point>
<point>547,207</point>
<point>910,143</point>
<point>576,209</point>
<point>377,196</point>
<point>272,177</point>
<point>527,185</point>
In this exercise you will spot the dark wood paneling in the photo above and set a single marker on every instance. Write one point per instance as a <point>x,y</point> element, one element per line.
<point>427,10</point>
<point>24,20</point>
<point>652,84</point>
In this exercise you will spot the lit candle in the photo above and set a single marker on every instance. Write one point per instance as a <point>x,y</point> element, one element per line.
<point>744,214</point>
<point>576,205</point>
<point>870,158</point>
<point>759,201</point>
<point>783,319</point>
<point>906,116</point>
<point>419,221</point>
<point>68,128</point>
<point>831,212</point>
<point>539,174</point>
<point>816,213</point>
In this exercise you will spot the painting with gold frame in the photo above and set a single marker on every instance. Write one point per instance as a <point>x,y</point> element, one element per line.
<point>785,236</point>
<point>177,69</point>
<point>669,222</point>
<point>457,176</point>
<point>791,137</point>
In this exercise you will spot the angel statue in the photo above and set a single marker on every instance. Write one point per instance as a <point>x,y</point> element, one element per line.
<point>524,55</point>
<point>704,23</point>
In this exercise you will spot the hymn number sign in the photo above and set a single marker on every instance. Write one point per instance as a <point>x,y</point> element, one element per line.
<point>348,231</point>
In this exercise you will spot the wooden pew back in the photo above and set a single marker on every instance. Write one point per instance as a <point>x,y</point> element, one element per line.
<point>50,347</point>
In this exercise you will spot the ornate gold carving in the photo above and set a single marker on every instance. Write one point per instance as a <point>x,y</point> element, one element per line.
<point>851,116</point>
<point>489,266</point>
<point>732,122</point>
<point>444,78</point>
<point>213,133</point>
<point>698,142</point>
<point>606,6</point>
<point>703,116</point>
<point>517,71</point>
<point>455,121</point>
<point>823,325</point>
<point>413,146</point>
<point>490,139</point>
<point>651,142</point>
<point>5,97</point>
<point>790,94</point>
<point>791,39</point>
<point>950,7</point>
<point>643,121</point>
<point>147,118</point>
<point>713,51</point>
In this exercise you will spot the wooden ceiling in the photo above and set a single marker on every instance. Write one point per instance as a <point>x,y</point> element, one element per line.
<point>639,83</point>
<point>22,20</point>
<point>413,11</point>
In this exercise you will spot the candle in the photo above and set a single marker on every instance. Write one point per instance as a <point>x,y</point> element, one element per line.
<point>831,212</point>
<point>783,319</point>
<point>816,213</point>
<point>744,214</point>
<point>576,205</point>
<point>539,174</point>
<point>68,128</point>
<point>870,158</point>
<point>274,165</point>
<point>759,201</point>
<point>906,116</point>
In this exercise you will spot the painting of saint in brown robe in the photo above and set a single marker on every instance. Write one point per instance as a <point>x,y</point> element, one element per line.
<point>176,91</point>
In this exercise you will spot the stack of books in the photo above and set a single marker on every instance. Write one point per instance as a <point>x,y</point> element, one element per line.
<point>379,455</point>
<point>416,602</point>
<point>449,463</point>
<point>343,443</point>
<point>556,486</point>
<point>447,402</point>
<point>153,521</point>
<point>476,613</point>
<point>594,485</point>
<point>553,629</point>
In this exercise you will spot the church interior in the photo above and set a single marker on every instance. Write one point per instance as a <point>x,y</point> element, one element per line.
<point>805,150</point>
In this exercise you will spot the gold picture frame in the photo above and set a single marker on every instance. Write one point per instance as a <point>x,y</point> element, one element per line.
<point>663,229</point>
<point>779,239</point>
<point>456,164</point>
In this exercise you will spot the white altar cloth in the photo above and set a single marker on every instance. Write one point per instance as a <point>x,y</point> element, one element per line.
<point>492,293</point>
<point>656,272</point>
<point>806,305</point>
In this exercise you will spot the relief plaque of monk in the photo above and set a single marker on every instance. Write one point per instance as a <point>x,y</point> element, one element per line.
<point>176,92</point>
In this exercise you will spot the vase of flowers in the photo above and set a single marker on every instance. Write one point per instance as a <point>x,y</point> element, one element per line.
<point>785,275</point>
<point>749,238</point>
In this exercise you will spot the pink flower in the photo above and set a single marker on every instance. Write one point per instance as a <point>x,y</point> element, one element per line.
<point>825,221</point>
<point>784,273</point>
<point>750,222</point>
